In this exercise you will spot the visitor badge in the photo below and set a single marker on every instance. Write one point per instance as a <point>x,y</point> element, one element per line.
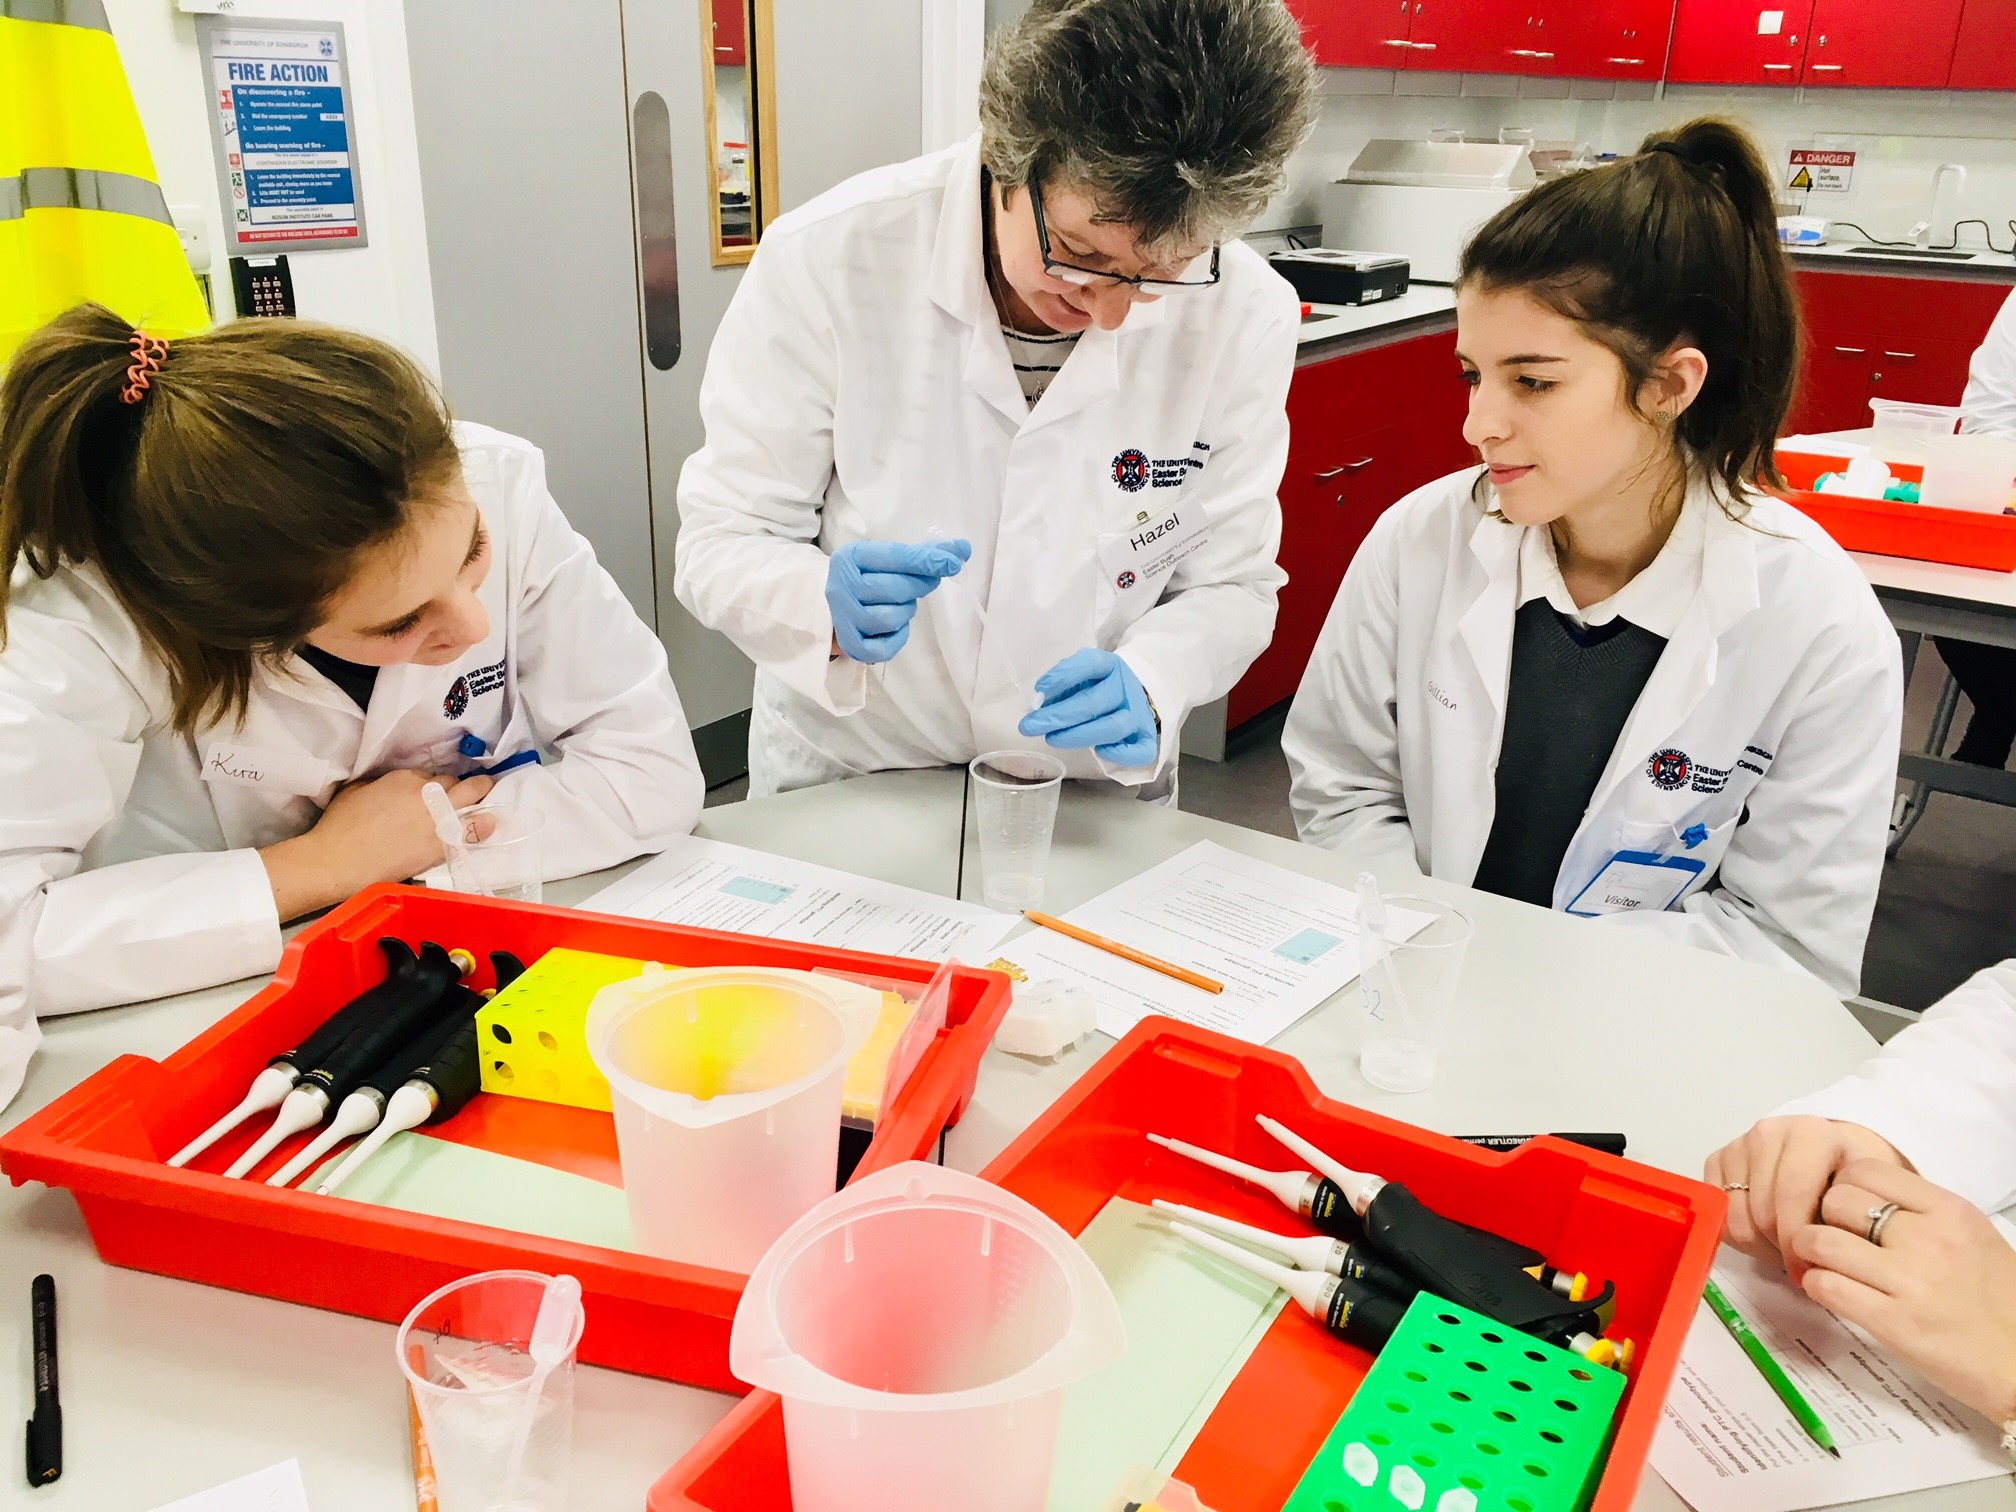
<point>294,774</point>
<point>1631,881</point>
<point>1154,547</point>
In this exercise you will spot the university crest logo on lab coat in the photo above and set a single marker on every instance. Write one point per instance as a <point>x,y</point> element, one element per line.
<point>1669,769</point>
<point>1130,470</point>
<point>472,685</point>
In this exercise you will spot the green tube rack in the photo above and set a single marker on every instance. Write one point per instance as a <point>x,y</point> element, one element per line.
<point>1460,1414</point>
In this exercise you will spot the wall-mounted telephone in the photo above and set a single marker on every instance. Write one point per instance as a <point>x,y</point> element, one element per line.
<point>262,285</point>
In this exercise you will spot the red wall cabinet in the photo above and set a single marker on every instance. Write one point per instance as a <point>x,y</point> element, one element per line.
<point>1983,58</point>
<point>731,33</point>
<point>1873,336</point>
<point>1355,33</point>
<point>1882,44</point>
<point>1364,431</point>
<point>1739,42</point>
<point>1613,39</point>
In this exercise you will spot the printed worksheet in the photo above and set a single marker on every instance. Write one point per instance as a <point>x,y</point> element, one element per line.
<point>709,884</point>
<point>1280,942</point>
<point>275,1489</point>
<point>1727,1444</point>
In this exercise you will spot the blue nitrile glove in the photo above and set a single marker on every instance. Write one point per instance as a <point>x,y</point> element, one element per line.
<point>873,587</point>
<point>1092,698</point>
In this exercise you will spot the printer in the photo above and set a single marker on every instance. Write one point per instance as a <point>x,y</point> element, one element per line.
<point>1423,200</point>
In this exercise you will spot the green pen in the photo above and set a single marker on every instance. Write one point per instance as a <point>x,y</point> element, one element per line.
<point>1770,1369</point>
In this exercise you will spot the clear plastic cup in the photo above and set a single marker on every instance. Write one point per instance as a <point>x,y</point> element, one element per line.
<point>1917,420</point>
<point>1404,1030</point>
<point>1968,472</point>
<point>499,856</point>
<point>466,1354</point>
<point>726,1085</point>
<point>1015,806</point>
<point>921,1327</point>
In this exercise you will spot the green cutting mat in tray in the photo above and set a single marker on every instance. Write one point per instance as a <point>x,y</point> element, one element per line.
<point>1460,1414</point>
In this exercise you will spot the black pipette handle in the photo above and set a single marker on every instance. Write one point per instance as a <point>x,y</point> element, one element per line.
<point>1330,1212</point>
<point>455,1073</point>
<point>506,967</point>
<point>422,1047</point>
<point>1361,1314</point>
<point>353,1015</point>
<point>422,1001</point>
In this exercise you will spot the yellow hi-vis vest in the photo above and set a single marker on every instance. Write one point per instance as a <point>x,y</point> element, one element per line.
<point>82,216</point>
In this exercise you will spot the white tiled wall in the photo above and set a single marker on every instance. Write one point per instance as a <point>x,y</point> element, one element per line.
<point>1902,136</point>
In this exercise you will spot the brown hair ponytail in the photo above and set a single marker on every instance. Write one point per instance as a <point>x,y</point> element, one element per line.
<point>1678,245</point>
<point>232,500</point>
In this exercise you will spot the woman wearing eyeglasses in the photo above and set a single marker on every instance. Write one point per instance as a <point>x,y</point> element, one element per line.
<point>994,436</point>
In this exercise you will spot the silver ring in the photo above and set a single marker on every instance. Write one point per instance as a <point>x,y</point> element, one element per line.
<point>1879,1218</point>
<point>1735,1186</point>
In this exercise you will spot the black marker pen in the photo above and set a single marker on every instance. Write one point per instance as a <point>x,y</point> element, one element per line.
<point>45,1429</point>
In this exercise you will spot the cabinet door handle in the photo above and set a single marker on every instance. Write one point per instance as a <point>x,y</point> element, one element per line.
<point>1543,55</point>
<point>1825,67</point>
<point>1422,46</point>
<point>1627,62</point>
<point>1398,42</point>
<point>1777,68</point>
<point>1903,356</point>
<point>1852,351</point>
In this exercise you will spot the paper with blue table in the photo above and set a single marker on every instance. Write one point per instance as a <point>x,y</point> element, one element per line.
<point>1279,941</point>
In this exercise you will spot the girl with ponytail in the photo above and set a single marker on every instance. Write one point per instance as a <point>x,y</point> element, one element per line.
<point>256,589</point>
<point>1609,673</point>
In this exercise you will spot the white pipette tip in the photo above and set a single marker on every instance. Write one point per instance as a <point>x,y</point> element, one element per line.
<point>411,1106</point>
<point>358,1115</point>
<point>303,1108</point>
<point>1358,1188</point>
<point>268,1090</point>
<point>1310,1254</point>
<point>1303,1286</point>
<point>447,826</point>
<point>1286,1186</point>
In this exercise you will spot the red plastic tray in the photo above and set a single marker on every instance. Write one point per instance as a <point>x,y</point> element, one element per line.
<point>107,1138</point>
<point>1959,537</point>
<point>1651,1233</point>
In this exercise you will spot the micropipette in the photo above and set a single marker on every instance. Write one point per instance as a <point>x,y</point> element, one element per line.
<point>273,1084</point>
<point>1314,1197</point>
<point>360,1111</point>
<point>1314,1253</point>
<point>421,1000</point>
<point>1351,1310</point>
<point>433,1094</point>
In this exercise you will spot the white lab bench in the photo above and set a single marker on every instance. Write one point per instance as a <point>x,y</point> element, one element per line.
<point>169,1388</point>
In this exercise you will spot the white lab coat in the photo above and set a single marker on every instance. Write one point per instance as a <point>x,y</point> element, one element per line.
<point>860,388</point>
<point>1989,404</point>
<point>1943,1091</point>
<point>1781,685</point>
<point>129,864</point>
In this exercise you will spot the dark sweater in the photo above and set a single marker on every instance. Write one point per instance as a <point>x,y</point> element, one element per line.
<point>1571,691</point>
<point>352,677</point>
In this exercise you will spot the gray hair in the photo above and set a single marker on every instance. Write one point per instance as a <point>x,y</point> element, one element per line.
<point>1176,117</point>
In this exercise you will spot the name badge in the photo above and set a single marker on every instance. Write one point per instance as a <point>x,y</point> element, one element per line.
<point>1153,548</point>
<point>1631,881</point>
<point>288,773</point>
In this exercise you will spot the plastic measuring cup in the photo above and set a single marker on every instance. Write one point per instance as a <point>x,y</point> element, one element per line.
<point>1399,1054</point>
<point>1015,804</point>
<point>726,1085</point>
<point>498,855</point>
<point>1917,419</point>
<point>466,1352</point>
<point>1968,472</point>
<point>921,1327</point>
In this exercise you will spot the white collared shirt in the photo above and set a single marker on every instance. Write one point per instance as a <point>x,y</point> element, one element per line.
<point>1654,600</point>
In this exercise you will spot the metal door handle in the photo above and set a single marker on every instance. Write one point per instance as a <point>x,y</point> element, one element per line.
<point>1778,68</point>
<point>1345,471</point>
<point>1903,356</point>
<point>1852,351</point>
<point>1422,46</point>
<point>1627,62</point>
<point>1524,52</point>
<point>1543,55</point>
<point>1825,67</point>
<point>1398,42</point>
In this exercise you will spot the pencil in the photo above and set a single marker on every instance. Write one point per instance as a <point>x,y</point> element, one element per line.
<point>1769,1368</point>
<point>1125,952</point>
<point>423,1460</point>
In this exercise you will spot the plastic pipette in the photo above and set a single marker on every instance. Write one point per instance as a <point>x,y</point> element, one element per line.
<point>1332,1257</point>
<point>1380,981</point>
<point>1349,1309</point>
<point>421,1000</point>
<point>360,1111</point>
<point>552,1332</point>
<point>273,1084</point>
<point>448,827</point>
<point>436,1092</point>
<point>1314,1197</point>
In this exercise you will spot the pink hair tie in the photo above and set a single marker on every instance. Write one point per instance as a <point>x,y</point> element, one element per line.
<point>148,355</point>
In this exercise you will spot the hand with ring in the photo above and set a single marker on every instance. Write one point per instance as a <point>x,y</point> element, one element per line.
<point>1922,1271</point>
<point>1776,1174</point>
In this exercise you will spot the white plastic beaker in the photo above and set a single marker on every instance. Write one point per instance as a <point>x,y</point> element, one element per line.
<point>921,1327</point>
<point>1968,472</point>
<point>726,1085</point>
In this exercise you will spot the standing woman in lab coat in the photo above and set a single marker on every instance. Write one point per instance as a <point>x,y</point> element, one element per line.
<point>256,589</point>
<point>1606,673</point>
<point>1005,424</point>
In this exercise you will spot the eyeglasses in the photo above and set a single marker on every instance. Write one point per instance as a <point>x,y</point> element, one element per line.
<point>1071,273</point>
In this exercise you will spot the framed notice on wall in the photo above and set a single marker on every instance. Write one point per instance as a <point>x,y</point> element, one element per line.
<point>281,122</point>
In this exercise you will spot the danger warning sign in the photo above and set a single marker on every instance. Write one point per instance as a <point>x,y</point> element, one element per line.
<point>1823,172</point>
